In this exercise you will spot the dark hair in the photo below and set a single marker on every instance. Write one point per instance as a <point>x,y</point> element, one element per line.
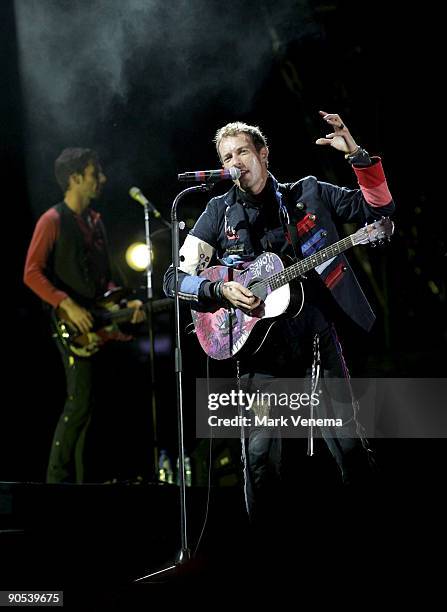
<point>73,161</point>
<point>233,129</point>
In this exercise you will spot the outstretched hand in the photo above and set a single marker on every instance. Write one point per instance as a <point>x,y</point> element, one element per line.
<point>340,138</point>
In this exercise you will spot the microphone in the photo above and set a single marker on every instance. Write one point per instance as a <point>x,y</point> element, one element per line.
<point>210,176</point>
<point>137,195</point>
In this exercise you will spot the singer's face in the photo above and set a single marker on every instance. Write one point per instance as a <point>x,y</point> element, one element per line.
<point>240,152</point>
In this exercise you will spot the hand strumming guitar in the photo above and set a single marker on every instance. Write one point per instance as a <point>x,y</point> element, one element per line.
<point>239,296</point>
<point>78,315</point>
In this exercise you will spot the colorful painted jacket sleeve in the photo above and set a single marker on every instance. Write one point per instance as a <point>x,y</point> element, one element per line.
<point>195,255</point>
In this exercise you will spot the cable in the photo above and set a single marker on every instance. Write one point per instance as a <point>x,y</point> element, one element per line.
<point>205,520</point>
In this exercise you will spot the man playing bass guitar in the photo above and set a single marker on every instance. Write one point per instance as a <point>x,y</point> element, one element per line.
<point>68,267</point>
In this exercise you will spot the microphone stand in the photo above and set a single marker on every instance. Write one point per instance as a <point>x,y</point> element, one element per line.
<point>148,208</point>
<point>149,311</point>
<point>184,554</point>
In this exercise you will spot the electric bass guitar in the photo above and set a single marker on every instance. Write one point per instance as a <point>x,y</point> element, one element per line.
<point>228,331</point>
<point>107,315</point>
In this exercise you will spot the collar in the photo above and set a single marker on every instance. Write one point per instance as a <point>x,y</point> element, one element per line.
<point>260,199</point>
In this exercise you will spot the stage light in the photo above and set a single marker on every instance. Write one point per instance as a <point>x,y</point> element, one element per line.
<point>138,257</point>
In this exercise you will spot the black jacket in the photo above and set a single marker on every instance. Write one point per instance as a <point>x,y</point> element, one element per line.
<point>234,227</point>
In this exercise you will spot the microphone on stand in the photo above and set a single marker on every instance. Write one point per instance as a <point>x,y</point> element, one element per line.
<point>210,176</point>
<point>138,196</point>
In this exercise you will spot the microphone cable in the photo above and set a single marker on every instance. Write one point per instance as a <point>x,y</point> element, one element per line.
<point>210,460</point>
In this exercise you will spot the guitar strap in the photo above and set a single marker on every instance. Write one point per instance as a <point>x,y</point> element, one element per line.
<point>292,233</point>
<point>290,229</point>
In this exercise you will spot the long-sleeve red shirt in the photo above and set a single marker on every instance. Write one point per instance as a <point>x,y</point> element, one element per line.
<point>45,235</point>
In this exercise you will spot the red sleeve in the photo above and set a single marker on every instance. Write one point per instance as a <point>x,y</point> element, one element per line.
<point>373,183</point>
<point>42,243</point>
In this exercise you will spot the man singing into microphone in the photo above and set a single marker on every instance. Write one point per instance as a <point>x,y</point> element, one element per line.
<point>68,267</point>
<point>260,214</point>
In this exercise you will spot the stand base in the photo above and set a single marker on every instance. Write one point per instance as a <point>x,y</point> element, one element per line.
<point>184,568</point>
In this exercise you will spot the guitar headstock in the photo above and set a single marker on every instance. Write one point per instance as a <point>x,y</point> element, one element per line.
<point>376,232</point>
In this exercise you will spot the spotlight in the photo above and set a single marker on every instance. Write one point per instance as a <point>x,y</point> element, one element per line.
<point>138,257</point>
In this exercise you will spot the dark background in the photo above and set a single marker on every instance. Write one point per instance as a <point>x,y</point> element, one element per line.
<point>147,83</point>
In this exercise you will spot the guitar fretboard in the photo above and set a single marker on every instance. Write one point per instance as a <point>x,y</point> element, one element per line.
<point>125,314</point>
<point>304,265</point>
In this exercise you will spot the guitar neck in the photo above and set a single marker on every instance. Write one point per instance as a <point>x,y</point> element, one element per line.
<point>125,314</point>
<point>114,316</point>
<point>309,263</point>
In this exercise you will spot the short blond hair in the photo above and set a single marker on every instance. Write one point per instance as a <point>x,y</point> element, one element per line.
<point>238,127</point>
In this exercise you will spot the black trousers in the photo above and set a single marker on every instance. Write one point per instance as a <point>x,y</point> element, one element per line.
<point>105,429</point>
<point>66,461</point>
<point>290,355</point>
